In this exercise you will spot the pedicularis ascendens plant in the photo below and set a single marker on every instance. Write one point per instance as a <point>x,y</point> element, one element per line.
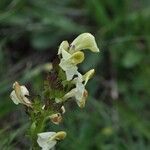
<point>63,83</point>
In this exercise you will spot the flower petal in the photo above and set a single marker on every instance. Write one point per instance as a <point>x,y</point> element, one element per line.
<point>18,91</point>
<point>24,90</point>
<point>88,75</point>
<point>79,90</point>
<point>64,45</point>
<point>70,94</point>
<point>81,101</point>
<point>84,41</point>
<point>71,72</point>
<point>77,57</point>
<point>46,135</point>
<point>14,97</point>
<point>65,55</point>
<point>19,94</point>
<point>24,93</point>
<point>44,140</point>
<point>69,68</point>
<point>59,135</point>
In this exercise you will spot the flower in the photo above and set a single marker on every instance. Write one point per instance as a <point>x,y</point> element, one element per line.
<point>72,55</point>
<point>69,63</point>
<point>47,140</point>
<point>18,95</point>
<point>84,41</point>
<point>79,92</point>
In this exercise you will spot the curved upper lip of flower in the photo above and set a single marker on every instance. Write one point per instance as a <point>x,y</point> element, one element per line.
<point>84,41</point>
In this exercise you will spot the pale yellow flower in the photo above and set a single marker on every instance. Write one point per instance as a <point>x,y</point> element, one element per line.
<point>18,95</point>
<point>72,55</point>
<point>69,63</point>
<point>47,140</point>
<point>78,91</point>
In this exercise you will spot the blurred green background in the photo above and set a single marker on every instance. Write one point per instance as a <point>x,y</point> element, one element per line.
<point>116,116</point>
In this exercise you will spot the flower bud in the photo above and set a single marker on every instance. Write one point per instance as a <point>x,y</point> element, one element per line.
<point>88,75</point>
<point>56,118</point>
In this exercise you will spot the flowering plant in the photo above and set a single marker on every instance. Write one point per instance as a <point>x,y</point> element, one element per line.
<point>63,83</point>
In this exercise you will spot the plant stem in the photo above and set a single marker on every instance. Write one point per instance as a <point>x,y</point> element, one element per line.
<point>39,126</point>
